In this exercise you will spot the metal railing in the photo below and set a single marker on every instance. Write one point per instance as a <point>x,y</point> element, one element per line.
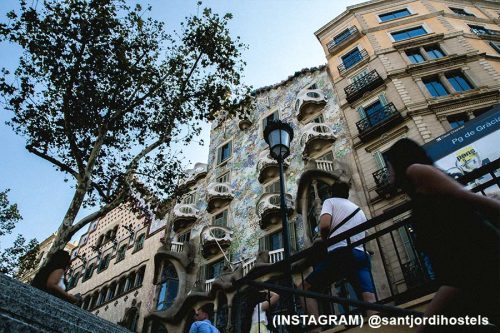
<point>377,118</point>
<point>208,284</point>
<point>352,60</point>
<point>407,272</point>
<point>485,32</point>
<point>363,84</point>
<point>343,37</point>
<point>276,255</point>
<point>177,247</point>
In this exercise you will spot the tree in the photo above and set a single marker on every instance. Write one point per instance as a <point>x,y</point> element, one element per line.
<point>20,257</point>
<point>103,93</point>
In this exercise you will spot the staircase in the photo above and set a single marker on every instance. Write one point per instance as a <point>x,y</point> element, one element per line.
<point>27,309</point>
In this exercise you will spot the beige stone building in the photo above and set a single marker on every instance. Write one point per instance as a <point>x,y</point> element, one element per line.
<point>44,248</point>
<point>413,69</point>
<point>113,266</point>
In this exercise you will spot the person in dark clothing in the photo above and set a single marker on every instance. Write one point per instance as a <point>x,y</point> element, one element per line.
<point>456,229</point>
<point>50,278</point>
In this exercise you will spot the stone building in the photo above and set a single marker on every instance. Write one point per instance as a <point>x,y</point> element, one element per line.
<point>43,249</point>
<point>113,266</point>
<point>410,68</point>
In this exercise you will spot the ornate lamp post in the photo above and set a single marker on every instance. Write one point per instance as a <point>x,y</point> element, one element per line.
<point>278,136</point>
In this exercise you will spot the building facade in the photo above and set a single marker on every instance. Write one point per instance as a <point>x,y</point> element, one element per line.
<point>113,265</point>
<point>43,249</point>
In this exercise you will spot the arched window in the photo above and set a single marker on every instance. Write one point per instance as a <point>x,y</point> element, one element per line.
<point>93,302</point>
<point>120,255</point>
<point>169,286</point>
<point>131,318</point>
<point>86,303</point>
<point>111,293</point>
<point>88,272</point>
<point>139,243</point>
<point>140,276</point>
<point>121,286</point>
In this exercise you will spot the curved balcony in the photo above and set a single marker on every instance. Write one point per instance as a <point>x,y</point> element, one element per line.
<point>213,238</point>
<point>268,208</point>
<point>308,102</point>
<point>184,215</point>
<point>378,122</point>
<point>244,124</point>
<point>193,175</point>
<point>315,137</point>
<point>218,195</point>
<point>267,167</point>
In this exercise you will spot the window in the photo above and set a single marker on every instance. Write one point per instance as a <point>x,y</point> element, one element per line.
<point>272,117</point>
<point>221,221</point>
<point>88,272</point>
<point>140,276</point>
<point>83,240</point>
<point>458,81</point>
<point>169,282</point>
<point>352,58</point>
<point>435,87</point>
<point>214,270</point>
<point>415,56</point>
<point>318,120</point>
<point>394,15</point>
<point>273,187</point>
<point>434,52</point>
<point>224,178</point>
<point>139,243</point>
<point>408,33</point>
<point>120,254</point>
<point>359,75</point>
<point>479,30</point>
<point>342,36</point>
<point>189,199</point>
<point>460,11</point>
<point>103,264</point>
<point>372,112</point>
<point>271,242</point>
<point>326,157</point>
<point>224,153</point>
<point>185,237</point>
<point>111,292</point>
<point>457,120</point>
<point>495,46</point>
<point>73,281</point>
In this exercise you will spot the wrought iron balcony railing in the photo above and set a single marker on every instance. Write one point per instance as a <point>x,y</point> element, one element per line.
<point>352,60</point>
<point>365,83</point>
<point>343,37</point>
<point>381,177</point>
<point>377,119</point>
<point>485,32</point>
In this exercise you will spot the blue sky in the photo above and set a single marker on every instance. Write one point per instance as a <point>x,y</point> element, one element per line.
<point>280,36</point>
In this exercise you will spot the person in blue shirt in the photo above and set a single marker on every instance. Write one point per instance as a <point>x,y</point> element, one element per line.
<point>202,323</point>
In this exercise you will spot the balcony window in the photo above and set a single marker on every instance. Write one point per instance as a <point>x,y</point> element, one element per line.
<point>224,153</point>
<point>224,178</point>
<point>215,270</point>
<point>185,237</point>
<point>103,264</point>
<point>415,56</point>
<point>394,15</point>
<point>272,117</point>
<point>342,36</point>
<point>271,242</point>
<point>458,81</point>
<point>457,120</point>
<point>221,221</point>
<point>372,111</point>
<point>479,30</point>
<point>408,33</point>
<point>435,87</point>
<point>139,243</point>
<point>352,58</point>
<point>273,187</point>
<point>120,254</point>
<point>460,11</point>
<point>169,286</point>
<point>434,52</point>
<point>88,272</point>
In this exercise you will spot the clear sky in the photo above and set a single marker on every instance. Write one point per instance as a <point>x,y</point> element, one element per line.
<point>280,36</point>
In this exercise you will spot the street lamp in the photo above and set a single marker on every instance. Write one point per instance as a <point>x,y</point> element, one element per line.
<point>278,136</point>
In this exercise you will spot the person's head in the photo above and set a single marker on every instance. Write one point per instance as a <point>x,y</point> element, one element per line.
<point>253,296</point>
<point>340,190</point>
<point>204,312</point>
<point>60,259</point>
<point>399,157</point>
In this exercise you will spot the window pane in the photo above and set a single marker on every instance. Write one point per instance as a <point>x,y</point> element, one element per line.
<point>457,120</point>
<point>394,15</point>
<point>434,52</point>
<point>352,58</point>
<point>276,241</point>
<point>458,81</point>
<point>415,56</point>
<point>435,87</point>
<point>409,33</point>
<point>342,36</point>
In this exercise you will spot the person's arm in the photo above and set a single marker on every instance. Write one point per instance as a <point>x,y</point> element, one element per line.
<point>429,180</point>
<point>53,285</point>
<point>194,327</point>
<point>272,300</point>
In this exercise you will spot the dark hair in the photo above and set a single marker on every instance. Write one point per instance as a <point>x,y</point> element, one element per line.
<point>59,260</point>
<point>340,190</point>
<point>401,155</point>
<point>208,308</point>
<point>252,298</point>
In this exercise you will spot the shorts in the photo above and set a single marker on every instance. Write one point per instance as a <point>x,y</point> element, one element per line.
<point>341,263</point>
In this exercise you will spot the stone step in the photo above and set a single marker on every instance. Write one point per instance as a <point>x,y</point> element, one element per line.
<point>27,309</point>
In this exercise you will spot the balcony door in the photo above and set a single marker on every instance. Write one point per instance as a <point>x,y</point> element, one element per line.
<point>352,58</point>
<point>374,112</point>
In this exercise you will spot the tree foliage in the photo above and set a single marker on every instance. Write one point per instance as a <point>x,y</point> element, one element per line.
<point>102,92</point>
<point>20,257</point>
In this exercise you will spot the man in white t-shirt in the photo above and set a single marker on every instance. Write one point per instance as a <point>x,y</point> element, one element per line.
<point>341,261</point>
